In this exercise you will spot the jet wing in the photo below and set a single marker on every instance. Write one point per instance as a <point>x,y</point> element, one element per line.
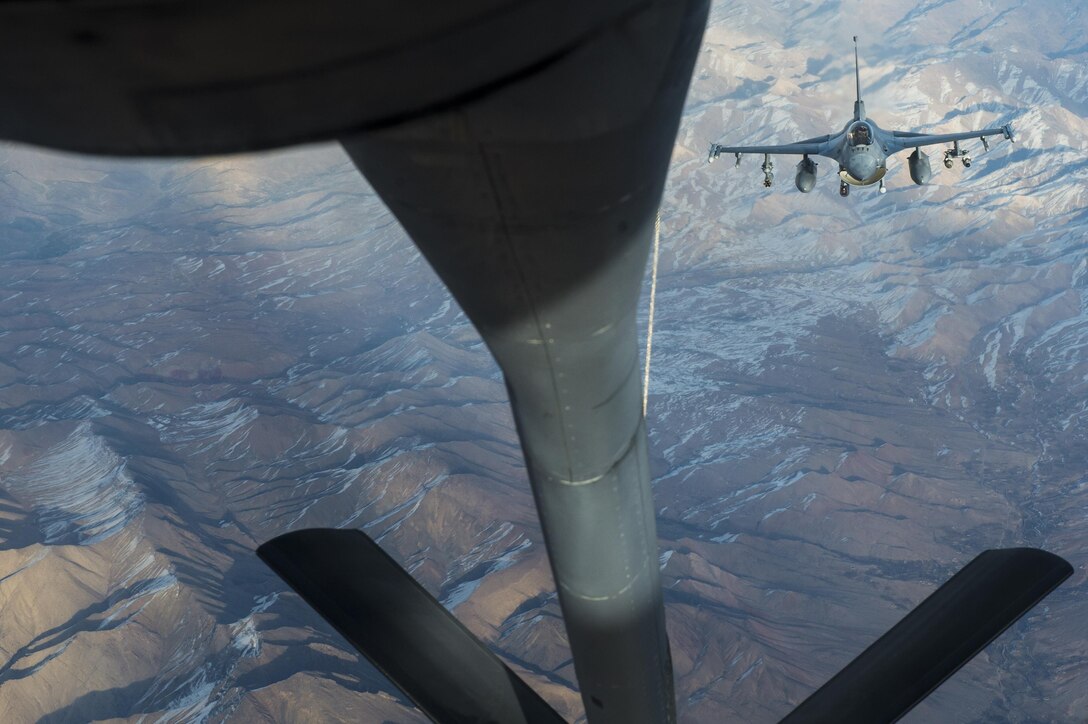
<point>909,139</point>
<point>811,146</point>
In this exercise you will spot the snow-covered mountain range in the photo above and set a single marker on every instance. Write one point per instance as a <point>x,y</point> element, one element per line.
<point>849,398</point>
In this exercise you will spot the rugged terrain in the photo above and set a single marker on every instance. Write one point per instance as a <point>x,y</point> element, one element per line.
<point>849,398</point>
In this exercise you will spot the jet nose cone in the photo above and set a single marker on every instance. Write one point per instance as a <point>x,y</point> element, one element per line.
<point>861,166</point>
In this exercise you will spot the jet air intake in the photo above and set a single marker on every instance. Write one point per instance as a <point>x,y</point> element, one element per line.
<point>920,171</point>
<point>806,175</point>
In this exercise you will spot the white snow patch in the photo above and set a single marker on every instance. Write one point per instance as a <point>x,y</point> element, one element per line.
<point>80,490</point>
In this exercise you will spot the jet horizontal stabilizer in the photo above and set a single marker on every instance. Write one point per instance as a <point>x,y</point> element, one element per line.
<point>385,614</point>
<point>939,636</point>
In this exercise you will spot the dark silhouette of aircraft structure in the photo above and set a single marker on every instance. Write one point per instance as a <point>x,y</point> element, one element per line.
<point>523,145</point>
<point>862,149</point>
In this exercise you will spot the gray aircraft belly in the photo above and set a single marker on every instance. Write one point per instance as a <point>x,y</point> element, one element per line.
<point>528,172</point>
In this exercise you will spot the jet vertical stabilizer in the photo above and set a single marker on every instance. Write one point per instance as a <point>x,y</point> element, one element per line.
<point>859,105</point>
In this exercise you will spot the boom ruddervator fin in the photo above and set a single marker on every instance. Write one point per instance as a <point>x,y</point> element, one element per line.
<point>934,640</point>
<point>454,678</point>
<point>385,614</point>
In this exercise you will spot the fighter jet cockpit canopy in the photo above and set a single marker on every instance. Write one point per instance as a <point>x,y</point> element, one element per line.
<point>860,134</point>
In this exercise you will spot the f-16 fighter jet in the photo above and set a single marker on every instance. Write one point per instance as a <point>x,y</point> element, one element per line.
<point>862,149</point>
